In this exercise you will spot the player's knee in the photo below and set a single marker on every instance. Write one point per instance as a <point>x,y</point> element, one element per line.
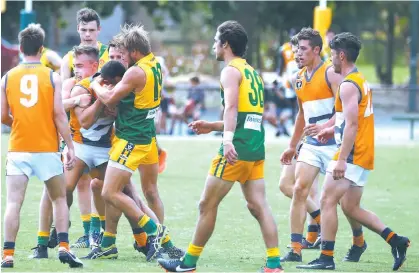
<point>152,195</point>
<point>96,185</point>
<point>285,188</point>
<point>300,191</point>
<point>255,208</point>
<point>205,205</point>
<point>107,195</point>
<point>327,201</point>
<point>14,207</point>
<point>348,208</point>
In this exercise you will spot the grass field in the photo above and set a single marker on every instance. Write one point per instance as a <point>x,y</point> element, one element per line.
<point>392,192</point>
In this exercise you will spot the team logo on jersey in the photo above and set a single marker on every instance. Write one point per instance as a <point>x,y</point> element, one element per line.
<point>298,84</point>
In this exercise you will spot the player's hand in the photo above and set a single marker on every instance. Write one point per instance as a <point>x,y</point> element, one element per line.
<point>85,100</point>
<point>287,156</point>
<point>70,159</point>
<point>339,170</point>
<point>230,153</point>
<point>312,129</point>
<point>326,134</point>
<point>110,111</point>
<point>201,127</point>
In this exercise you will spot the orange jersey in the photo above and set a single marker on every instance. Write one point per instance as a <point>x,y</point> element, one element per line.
<point>362,154</point>
<point>30,95</point>
<point>100,133</point>
<point>316,97</point>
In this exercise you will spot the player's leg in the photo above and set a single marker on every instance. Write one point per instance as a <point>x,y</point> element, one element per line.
<point>72,178</point>
<point>313,230</point>
<point>15,189</point>
<point>148,174</point>
<point>287,179</point>
<point>45,221</point>
<point>351,207</point>
<point>358,243</point>
<point>218,183</point>
<point>305,175</point>
<point>57,193</point>
<point>84,197</point>
<point>255,195</point>
<point>98,210</point>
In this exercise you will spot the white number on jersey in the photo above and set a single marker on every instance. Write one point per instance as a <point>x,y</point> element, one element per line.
<point>367,92</point>
<point>29,86</point>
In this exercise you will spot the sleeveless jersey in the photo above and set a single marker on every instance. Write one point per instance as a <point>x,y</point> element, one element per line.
<point>249,136</point>
<point>317,99</point>
<point>103,57</point>
<point>30,95</point>
<point>136,112</point>
<point>362,153</point>
<point>46,62</point>
<point>100,133</point>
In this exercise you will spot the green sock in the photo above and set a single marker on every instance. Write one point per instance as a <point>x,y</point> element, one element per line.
<point>190,260</point>
<point>95,225</point>
<point>167,244</point>
<point>150,226</point>
<point>107,241</point>
<point>86,226</point>
<point>102,224</point>
<point>273,262</point>
<point>43,241</point>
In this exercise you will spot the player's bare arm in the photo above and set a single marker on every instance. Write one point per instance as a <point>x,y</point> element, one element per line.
<point>61,121</point>
<point>6,118</point>
<point>230,80</point>
<point>65,72</point>
<point>349,94</point>
<point>289,153</point>
<point>86,116</point>
<point>204,127</point>
<point>71,102</point>
<point>134,80</point>
<point>54,59</point>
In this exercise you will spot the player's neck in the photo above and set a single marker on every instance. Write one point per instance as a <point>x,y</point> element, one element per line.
<point>32,59</point>
<point>317,61</point>
<point>229,58</point>
<point>89,44</point>
<point>347,69</point>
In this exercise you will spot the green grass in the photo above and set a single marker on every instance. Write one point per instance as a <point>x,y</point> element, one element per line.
<point>236,245</point>
<point>400,73</point>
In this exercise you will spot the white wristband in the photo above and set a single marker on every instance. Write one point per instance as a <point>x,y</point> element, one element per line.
<point>228,137</point>
<point>77,101</point>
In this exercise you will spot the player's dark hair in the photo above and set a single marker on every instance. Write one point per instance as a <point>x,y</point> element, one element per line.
<point>235,35</point>
<point>31,39</point>
<point>195,80</point>
<point>112,69</point>
<point>91,51</point>
<point>311,35</point>
<point>86,15</point>
<point>348,43</point>
<point>294,40</point>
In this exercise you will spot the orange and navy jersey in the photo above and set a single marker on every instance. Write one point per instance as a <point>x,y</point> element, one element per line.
<point>362,153</point>
<point>100,134</point>
<point>316,97</point>
<point>30,95</point>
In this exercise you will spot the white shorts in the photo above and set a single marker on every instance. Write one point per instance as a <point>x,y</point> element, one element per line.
<point>317,156</point>
<point>92,156</point>
<point>117,165</point>
<point>42,165</point>
<point>354,173</point>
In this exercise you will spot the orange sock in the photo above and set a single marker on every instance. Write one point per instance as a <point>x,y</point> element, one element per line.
<point>8,252</point>
<point>328,248</point>
<point>65,245</point>
<point>141,239</point>
<point>312,233</point>
<point>296,247</point>
<point>358,240</point>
